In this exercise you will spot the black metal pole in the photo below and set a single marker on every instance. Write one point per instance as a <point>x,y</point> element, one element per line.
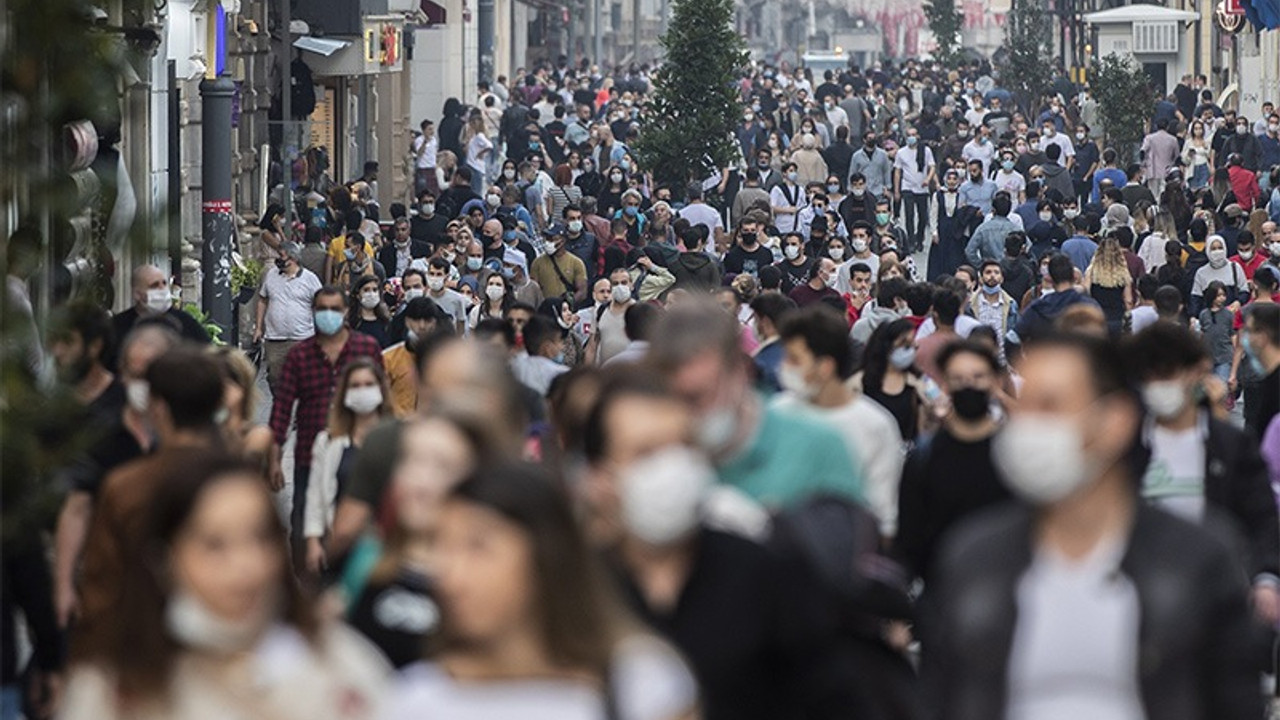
<point>217,224</point>
<point>174,209</point>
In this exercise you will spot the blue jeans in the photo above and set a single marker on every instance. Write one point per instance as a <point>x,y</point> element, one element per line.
<point>1199,177</point>
<point>10,702</point>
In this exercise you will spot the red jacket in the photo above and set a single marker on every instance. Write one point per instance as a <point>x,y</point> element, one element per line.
<point>1244,184</point>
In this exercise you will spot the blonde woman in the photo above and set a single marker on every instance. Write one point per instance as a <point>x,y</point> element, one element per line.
<point>1107,280</point>
<point>361,400</point>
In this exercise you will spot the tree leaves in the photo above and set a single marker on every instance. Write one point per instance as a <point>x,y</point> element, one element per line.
<point>946,24</point>
<point>1124,95</point>
<point>696,102</point>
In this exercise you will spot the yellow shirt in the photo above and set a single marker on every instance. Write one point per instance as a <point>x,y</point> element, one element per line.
<point>338,249</point>
<point>402,375</point>
<point>548,279</point>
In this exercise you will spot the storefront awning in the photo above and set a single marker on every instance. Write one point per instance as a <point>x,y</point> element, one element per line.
<point>320,46</point>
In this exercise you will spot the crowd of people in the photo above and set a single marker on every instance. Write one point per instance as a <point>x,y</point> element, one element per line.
<point>932,405</point>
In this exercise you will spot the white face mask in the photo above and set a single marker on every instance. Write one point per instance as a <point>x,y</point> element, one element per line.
<point>1217,258</point>
<point>661,494</point>
<point>369,301</point>
<point>859,245</point>
<point>195,626</point>
<point>159,300</point>
<point>1164,399</point>
<point>621,293</point>
<point>1275,249</point>
<point>412,294</point>
<point>508,173</point>
<point>492,200</point>
<point>836,254</point>
<point>791,251</point>
<point>495,292</point>
<point>902,358</point>
<point>138,393</point>
<point>1046,216</point>
<point>435,284</point>
<point>1041,457</point>
<point>717,429</point>
<point>792,381</point>
<point>363,400</point>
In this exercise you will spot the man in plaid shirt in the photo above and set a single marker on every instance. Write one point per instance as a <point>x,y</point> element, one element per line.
<point>307,379</point>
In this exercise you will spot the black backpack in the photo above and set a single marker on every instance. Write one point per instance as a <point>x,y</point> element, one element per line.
<point>839,542</point>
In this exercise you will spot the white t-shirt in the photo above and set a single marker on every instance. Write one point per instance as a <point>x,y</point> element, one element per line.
<point>1175,475</point>
<point>1075,645</point>
<point>537,372</point>
<point>1142,316</point>
<point>289,315</point>
<point>453,303</point>
<point>871,434</point>
<point>427,159</point>
<point>1010,182</point>
<point>649,683</point>
<point>964,325</point>
<point>479,143</point>
<point>704,215</point>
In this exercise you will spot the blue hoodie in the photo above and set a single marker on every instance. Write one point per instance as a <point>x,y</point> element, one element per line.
<point>1038,318</point>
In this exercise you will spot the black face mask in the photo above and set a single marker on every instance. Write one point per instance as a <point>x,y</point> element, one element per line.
<point>970,403</point>
<point>281,264</point>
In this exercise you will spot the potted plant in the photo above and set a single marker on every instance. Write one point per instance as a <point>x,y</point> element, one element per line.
<point>246,277</point>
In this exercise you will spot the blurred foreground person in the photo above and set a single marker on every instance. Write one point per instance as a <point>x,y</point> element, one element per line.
<point>751,625</point>
<point>1086,603</point>
<point>776,457</point>
<point>211,625</point>
<point>528,630</point>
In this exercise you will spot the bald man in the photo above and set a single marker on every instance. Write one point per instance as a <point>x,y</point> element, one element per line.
<point>151,301</point>
<point>491,239</point>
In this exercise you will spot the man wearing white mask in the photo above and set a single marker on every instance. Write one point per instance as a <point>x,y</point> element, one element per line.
<point>777,458</point>
<point>284,309</point>
<point>1084,601</point>
<point>152,299</point>
<point>741,616</point>
<point>1200,464</point>
<point>818,361</point>
<point>609,333</point>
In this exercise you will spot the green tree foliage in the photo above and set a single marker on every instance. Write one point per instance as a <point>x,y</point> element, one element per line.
<point>946,23</point>
<point>1027,46</point>
<point>1124,95</point>
<point>696,105</point>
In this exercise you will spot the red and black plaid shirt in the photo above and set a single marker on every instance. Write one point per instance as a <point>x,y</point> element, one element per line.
<point>308,379</point>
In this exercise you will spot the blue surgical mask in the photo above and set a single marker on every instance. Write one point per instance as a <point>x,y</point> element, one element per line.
<point>474,263</point>
<point>509,236</point>
<point>631,210</point>
<point>328,322</point>
<point>1255,362</point>
<point>1007,165</point>
<point>351,254</point>
<point>912,140</point>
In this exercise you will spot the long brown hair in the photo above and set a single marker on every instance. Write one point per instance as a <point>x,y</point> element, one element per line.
<point>137,647</point>
<point>578,619</point>
<point>341,419</point>
<point>1108,268</point>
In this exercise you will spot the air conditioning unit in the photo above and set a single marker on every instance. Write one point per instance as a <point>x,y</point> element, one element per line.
<point>1155,38</point>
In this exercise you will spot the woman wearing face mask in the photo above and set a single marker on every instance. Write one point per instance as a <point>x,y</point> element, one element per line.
<point>1009,179</point>
<point>368,311</point>
<point>496,300</point>
<point>561,313</point>
<point>527,621</point>
<point>361,399</point>
<point>836,250</point>
<point>212,625</point>
<point>1230,274</point>
<point>609,199</point>
<point>890,378</point>
<point>1107,280</point>
<point>590,182</point>
<point>1195,156</point>
<point>507,176</point>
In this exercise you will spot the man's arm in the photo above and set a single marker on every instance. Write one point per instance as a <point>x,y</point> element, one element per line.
<point>73,528</point>
<point>260,315</point>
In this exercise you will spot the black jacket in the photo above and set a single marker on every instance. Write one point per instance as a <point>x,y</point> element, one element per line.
<point>387,255</point>
<point>1195,634</point>
<point>696,272</point>
<point>1236,482</point>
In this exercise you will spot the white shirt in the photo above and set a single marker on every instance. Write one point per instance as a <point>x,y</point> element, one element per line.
<point>871,435</point>
<point>634,352</point>
<point>964,326</point>
<point>1075,645</point>
<point>1175,475</point>
<point>427,159</point>
<point>1061,140</point>
<point>649,683</point>
<point>289,315</point>
<point>974,150</point>
<point>786,195</point>
<point>1142,316</point>
<point>452,302</point>
<point>704,215</point>
<point>537,372</point>
<point>1011,182</point>
<point>842,273</point>
<point>907,160</point>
